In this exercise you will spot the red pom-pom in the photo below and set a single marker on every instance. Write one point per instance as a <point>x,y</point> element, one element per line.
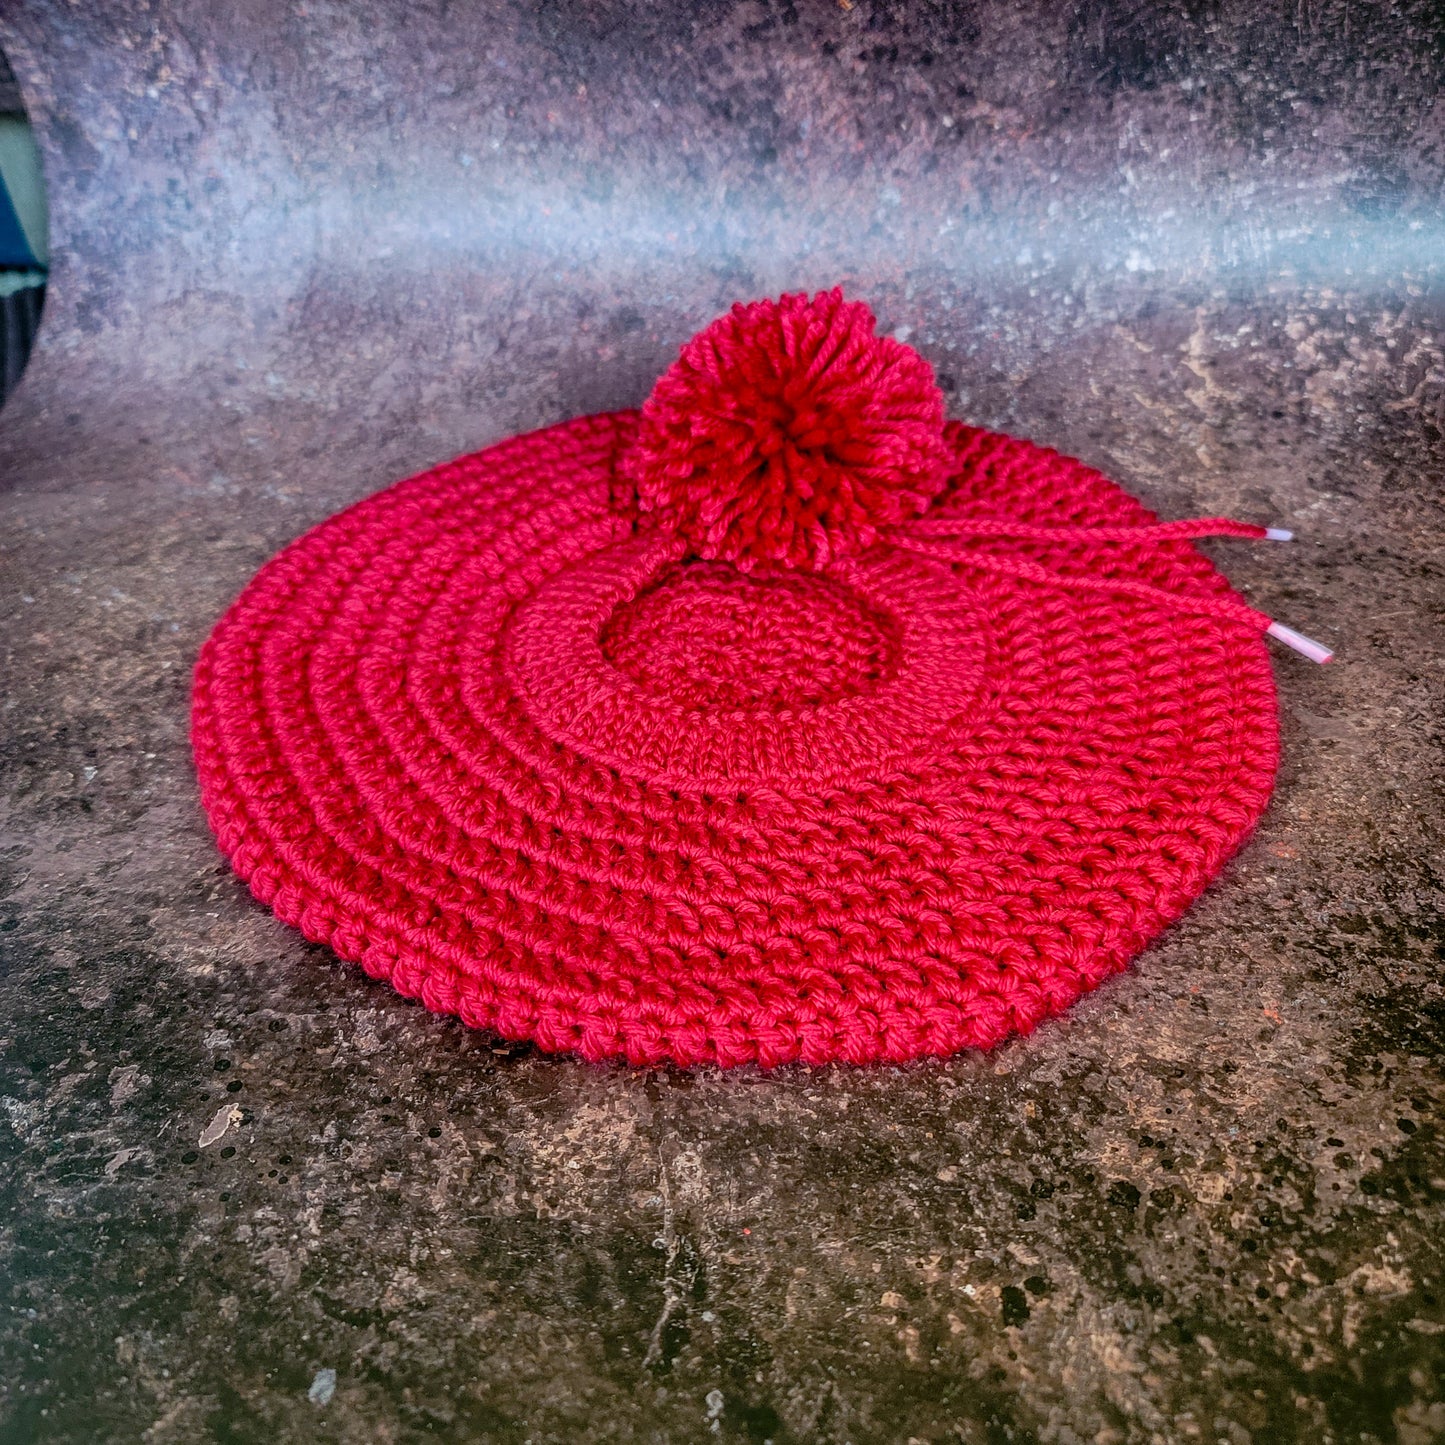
<point>788,431</point>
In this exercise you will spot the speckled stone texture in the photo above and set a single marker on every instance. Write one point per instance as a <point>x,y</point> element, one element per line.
<point>305,249</point>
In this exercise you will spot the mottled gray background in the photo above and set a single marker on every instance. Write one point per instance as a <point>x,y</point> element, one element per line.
<point>302,249</point>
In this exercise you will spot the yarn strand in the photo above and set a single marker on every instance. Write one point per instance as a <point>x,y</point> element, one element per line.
<point>957,528</point>
<point>1183,530</point>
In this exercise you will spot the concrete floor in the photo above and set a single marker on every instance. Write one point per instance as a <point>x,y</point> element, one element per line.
<point>305,249</point>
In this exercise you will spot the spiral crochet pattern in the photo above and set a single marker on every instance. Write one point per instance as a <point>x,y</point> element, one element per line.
<point>531,758</point>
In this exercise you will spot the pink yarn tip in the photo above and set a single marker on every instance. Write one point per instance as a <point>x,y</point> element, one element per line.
<point>1315,651</point>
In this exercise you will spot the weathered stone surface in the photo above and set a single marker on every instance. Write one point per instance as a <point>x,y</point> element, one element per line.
<point>303,250</point>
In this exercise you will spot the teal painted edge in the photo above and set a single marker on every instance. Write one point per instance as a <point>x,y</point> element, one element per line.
<point>23,178</point>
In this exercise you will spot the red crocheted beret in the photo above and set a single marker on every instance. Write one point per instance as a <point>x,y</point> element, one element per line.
<point>782,719</point>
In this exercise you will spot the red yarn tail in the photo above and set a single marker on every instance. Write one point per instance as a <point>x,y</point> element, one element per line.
<point>1027,531</point>
<point>953,530</point>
